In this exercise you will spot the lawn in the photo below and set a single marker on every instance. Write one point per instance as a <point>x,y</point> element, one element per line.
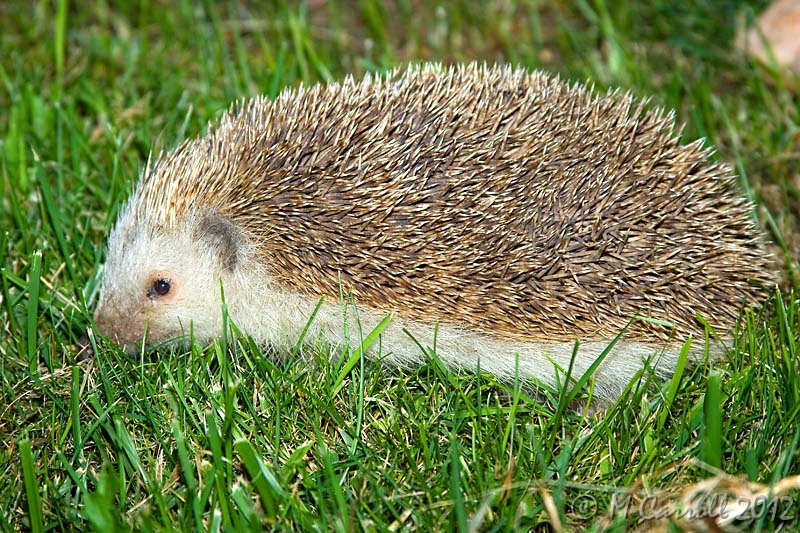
<point>228,437</point>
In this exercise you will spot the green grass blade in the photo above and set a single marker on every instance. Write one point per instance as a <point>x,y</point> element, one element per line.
<point>187,469</point>
<point>57,225</point>
<point>302,338</point>
<point>675,382</point>
<point>32,322</point>
<point>456,489</point>
<point>75,395</point>
<point>712,433</point>
<point>219,464</point>
<point>356,355</point>
<point>31,486</point>
<point>60,44</point>
<point>266,483</point>
<point>100,506</point>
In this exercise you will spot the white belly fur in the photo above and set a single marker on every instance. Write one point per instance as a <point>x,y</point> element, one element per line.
<point>281,321</point>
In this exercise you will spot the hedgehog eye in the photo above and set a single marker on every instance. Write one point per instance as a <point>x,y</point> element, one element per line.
<point>161,287</point>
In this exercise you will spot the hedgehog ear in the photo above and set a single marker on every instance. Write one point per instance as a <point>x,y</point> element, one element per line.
<point>223,237</point>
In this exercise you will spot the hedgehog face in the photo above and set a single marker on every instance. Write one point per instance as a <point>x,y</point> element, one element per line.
<point>161,288</point>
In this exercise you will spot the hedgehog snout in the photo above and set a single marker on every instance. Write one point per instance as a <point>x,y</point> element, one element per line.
<point>130,307</point>
<point>121,327</point>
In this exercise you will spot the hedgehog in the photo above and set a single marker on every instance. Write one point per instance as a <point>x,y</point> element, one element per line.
<point>504,219</point>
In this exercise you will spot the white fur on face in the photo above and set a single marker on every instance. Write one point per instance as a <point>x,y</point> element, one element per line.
<point>129,311</point>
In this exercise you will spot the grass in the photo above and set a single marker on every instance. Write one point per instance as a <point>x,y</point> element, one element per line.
<point>225,438</point>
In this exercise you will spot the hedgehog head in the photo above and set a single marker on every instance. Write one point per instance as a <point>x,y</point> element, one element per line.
<point>162,283</point>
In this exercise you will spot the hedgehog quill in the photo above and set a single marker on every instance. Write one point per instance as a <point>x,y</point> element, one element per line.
<point>503,213</point>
